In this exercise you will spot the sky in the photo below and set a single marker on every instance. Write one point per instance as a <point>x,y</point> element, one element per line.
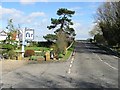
<point>37,15</point>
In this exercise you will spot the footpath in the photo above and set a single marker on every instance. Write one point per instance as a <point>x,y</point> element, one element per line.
<point>9,65</point>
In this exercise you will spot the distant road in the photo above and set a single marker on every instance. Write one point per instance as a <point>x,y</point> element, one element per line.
<point>90,67</point>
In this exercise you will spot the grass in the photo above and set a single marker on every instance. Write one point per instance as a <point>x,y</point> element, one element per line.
<point>35,48</point>
<point>69,52</point>
<point>119,50</point>
<point>35,57</point>
<point>65,58</point>
<point>0,46</point>
<point>67,55</point>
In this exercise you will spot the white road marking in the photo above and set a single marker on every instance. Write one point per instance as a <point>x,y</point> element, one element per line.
<point>71,62</point>
<point>106,63</point>
<point>72,59</point>
<point>70,65</point>
<point>115,57</point>
<point>110,66</point>
<point>69,71</point>
<point>101,59</point>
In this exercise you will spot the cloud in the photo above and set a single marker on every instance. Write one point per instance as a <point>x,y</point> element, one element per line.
<point>11,12</point>
<point>19,16</point>
<point>82,31</point>
<point>31,1</point>
<point>27,1</point>
<point>39,21</point>
<point>35,20</point>
<point>37,14</point>
<point>33,17</point>
<point>75,8</point>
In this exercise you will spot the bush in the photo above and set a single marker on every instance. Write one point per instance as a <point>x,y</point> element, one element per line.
<point>45,44</point>
<point>29,53</point>
<point>60,56</point>
<point>33,58</point>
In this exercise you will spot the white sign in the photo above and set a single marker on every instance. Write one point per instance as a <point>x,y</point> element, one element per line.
<point>29,34</point>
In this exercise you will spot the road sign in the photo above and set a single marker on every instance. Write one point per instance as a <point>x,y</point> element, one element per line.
<point>29,34</point>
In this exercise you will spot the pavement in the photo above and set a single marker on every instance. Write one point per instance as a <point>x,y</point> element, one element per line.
<point>89,67</point>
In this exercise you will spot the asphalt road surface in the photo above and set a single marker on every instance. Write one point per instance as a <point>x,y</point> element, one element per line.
<point>90,67</point>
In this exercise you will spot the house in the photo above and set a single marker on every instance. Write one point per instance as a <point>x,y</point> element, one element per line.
<point>15,36</point>
<point>3,35</point>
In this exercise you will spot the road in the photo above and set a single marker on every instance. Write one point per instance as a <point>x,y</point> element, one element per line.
<point>90,67</point>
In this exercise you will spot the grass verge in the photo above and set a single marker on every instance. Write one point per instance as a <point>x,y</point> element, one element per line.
<point>68,54</point>
<point>37,48</point>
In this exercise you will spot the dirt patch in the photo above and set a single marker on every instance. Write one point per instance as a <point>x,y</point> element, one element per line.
<point>9,65</point>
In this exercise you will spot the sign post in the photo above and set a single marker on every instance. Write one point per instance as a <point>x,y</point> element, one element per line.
<point>23,42</point>
<point>28,34</point>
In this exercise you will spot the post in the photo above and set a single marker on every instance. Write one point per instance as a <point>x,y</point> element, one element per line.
<point>23,42</point>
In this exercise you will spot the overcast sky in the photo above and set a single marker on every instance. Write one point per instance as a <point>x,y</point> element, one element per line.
<point>37,15</point>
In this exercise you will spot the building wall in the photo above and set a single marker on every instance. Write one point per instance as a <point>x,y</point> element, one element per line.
<point>3,38</point>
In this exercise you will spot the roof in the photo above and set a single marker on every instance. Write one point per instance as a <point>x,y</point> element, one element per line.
<point>3,33</point>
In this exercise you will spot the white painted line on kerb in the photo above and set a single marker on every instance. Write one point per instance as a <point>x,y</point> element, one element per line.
<point>71,62</point>
<point>70,65</point>
<point>106,63</point>
<point>69,71</point>
<point>72,59</point>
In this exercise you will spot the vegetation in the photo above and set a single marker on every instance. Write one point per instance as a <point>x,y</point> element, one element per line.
<point>50,37</point>
<point>35,58</point>
<point>63,36</point>
<point>99,39</point>
<point>107,28</point>
<point>68,53</point>
<point>35,48</point>
<point>63,32</point>
<point>45,44</point>
<point>29,53</point>
<point>10,44</point>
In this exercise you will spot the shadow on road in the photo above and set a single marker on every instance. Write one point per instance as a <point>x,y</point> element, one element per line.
<point>91,48</point>
<point>55,82</point>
